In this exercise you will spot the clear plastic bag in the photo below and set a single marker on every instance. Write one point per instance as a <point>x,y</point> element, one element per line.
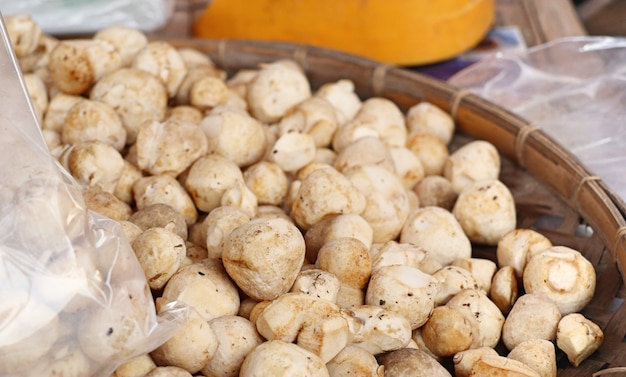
<point>573,88</point>
<point>59,17</point>
<point>74,300</point>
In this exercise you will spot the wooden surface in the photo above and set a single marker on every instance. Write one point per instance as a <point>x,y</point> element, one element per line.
<point>540,21</point>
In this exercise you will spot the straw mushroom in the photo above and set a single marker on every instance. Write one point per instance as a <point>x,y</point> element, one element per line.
<point>405,290</point>
<point>477,160</point>
<point>21,354</point>
<point>159,252</point>
<point>92,120</point>
<point>504,289</point>
<point>37,93</point>
<point>348,259</point>
<point>76,64</point>
<point>564,275</point>
<point>169,371</point>
<point>208,179</point>
<point>483,315</point>
<point>432,152</point>
<point>105,203</point>
<point>481,269</point>
<point>381,330</point>
<point>204,286</point>
<point>385,118</point>
<point>264,257</point>
<point>160,215</point>
<point>578,337</point>
<point>293,151</point>
<point>539,354</point>
<point>406,254</point>
<point>517,247</point>
<point>241,197</point>
<point>486,211</point>
<point>95,163</point>
<point>323,193</point>
<point>237,337</point>
<point>314,324</point>
<point>169,147</point>
<point>447,332</point>
<point>342,97</point>
<point>127,41</point>
<point>167,190</point>
<point>24,32</point>
<point>124,188</point>
<point>136,95</point>
<point>220,222</point>
<point>494,366</point>
<point>428,226</point>
<point>410,362</point>
<point>191,347</point>
<point>314,116</point>
<point>137,366</point>
<point>365,150</point>
<point>353,360</point>
<point>280,358</point>
<point>163,61</point>
<point>317,283</point>
<point>58,107</point>
<point>465,360</point>
<point>435,190</point>
<point>534,316</point>
<point>275,88</point>
<point>267,181</point>
<point>426,117</point>
<point>407,166</point>
<point>450,281</point>
<point>334,227</point>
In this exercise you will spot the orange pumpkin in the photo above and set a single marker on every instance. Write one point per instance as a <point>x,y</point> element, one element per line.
<point>404,32</point>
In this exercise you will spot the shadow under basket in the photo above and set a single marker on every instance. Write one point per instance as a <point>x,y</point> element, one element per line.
<point>554,193</point>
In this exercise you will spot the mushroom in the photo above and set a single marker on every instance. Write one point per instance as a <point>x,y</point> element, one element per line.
<point>342,97</point>
<point>127,41</point>
<point>534,316</point>
<point>428,226</point>
<point>124,188</point>
<point>516,248</point>
<point>106,204</point>
<point>365,150</point>
<point>348,259</point>
<point>168,371</point>
<point>406,254</point>
<point>280,358</point>
<point>135,367</point>
<point>219,223</point>
<point>353,360</point>
<point>208,92</point>
<point>191,347</point>
<point>447,332</point>
<point>314,116</point>
<point>76,64</point>
<point>578,337</point>
<point>407,166</point>
<point>564,275</point>
<point>475,161</point>
<point>58,107</point>
<point>94,163</point>
<point>37,93</point>
<point>495,366</point>
<point>481,269</point>
<point>431,151</point>
<point>235,135</point>
<point>317,283</point>
<point>275,88</point>
<point>160,215</point>
<point>164,189</point>
<point>293,151</point>
<point>24,350</point>
<point>483,315</point>
<point>204,286</point>
<point>208,179</point>
<point>24,33</point>
<point>539,354</point>
<point>136,95</point>
<point>333,227</point>
<point>465,360</point>
<point>240,80</point>
<point>379,330</point>
<point>435,190</point>
<point>504,289</point>
<point>426,117</point>
<point>162,60</point>
<point>384,116</point>
<point>237,337</point>
<point>405,290</point>
<point>267,274</point>
<point>91,120</point>
<point>387,204</point>
<point>267,181</point>
<point>411,362</point>
<point>160,253</point>
<point>486,211</point>
<point>169,147</point>
<point>325,192</point>
<point>314,324</point>
<point>450,281</point>
<point>241,197</point>
<point>184,112</point>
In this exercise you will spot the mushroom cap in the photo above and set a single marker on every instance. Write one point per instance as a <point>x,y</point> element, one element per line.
<point>475,161</point>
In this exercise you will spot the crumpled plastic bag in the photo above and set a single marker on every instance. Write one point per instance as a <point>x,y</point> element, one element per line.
<point>74,300</point>
<point>573,88</point>
<point>61,17</point>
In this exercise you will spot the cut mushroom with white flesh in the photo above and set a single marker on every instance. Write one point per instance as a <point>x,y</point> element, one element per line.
<point>342,97</point>
<point>381,330</point>
<point>314,324</point>
<point>564,275</point>
<point>452,280</point>
<point>465,360</point>
<point>578,337</point>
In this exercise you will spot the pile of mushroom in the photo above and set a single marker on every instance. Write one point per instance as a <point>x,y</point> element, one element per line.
<point>309,231</point>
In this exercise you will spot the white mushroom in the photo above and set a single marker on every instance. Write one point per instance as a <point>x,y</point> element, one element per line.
<point>167,190</point>
<point>504,289</point>
<point>354,361</point>
<point>91,120</point>
<point>447,332</point>
<point>405,290</point>
<point>208,179</point>
<point>219,223</point>
<point>435,190</point>
<point>534,316</point>
<point>279,358</point>
<point>578,337</point>
<point>426,117</point>
<point>317,283</point>
<point>475,161</point>
<point>127,41</point>
<point>314,324</point>
<point>486,211</point>
<point>380,330</point>
<point>428,226</point>
<point>407,254</point>
<point>450,281</point>
<point>432,152</point>
<point>237,337</point>
<point>564,275</point>
<point>539,354</point>
<point>483,315</point>
<point>341,95</point>
<point>465,360</point>
<point>517,247</point>
<point>162,59</point>
<point>160,253</point>
<point>275,88</point>
<point>264,257</point>
<point>314,116</point>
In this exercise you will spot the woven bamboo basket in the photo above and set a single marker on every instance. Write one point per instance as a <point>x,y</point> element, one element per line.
<point>553,191</point>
